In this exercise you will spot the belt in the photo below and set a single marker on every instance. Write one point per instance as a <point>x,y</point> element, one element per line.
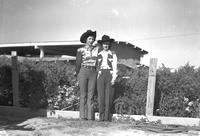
<point>105,67</point>
<point>89,67</point>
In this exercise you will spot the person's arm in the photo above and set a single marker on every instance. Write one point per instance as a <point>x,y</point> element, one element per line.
<point>78,61</point>
<point>114,65</point>
<point>98,64</point>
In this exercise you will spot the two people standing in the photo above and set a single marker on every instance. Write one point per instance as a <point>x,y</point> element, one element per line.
<point>96,65</point>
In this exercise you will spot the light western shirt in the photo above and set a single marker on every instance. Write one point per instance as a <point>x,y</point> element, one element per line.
<point>108,60</point>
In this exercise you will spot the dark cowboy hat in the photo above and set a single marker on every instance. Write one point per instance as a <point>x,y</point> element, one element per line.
<point>105,38</point>
<point>86,34</point>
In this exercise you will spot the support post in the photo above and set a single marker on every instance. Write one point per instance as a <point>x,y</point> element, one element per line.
<point>15,78</point>
<point>41,52</point>
<point>151,87</point>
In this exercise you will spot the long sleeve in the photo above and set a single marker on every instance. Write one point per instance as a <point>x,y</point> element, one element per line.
<point>78,61</point>
<point>114,65</point>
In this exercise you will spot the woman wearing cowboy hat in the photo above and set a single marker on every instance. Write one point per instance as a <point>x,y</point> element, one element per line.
<point>86,61</point>
<point>107,74</point>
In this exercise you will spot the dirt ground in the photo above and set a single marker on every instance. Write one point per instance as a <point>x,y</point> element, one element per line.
<point>39,126</point>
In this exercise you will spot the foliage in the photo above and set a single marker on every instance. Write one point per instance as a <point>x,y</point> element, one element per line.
<point>53,85</point>
<point>48,83</point>
<point>5,85</point>
<point>175,87</point>
<point>130,90</point>
<point>67,98</point>
<point>172,88</point>
<point>41,84</point>
<point>5,81</point>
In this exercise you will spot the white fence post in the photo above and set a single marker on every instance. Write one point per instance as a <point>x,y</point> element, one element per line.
<point>15,78</point>
<point>151,87</point>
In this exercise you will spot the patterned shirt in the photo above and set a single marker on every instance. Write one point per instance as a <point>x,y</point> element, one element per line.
<point>86,56</point>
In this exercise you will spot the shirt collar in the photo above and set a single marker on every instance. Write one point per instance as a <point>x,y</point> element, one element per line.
<point>89,47</point>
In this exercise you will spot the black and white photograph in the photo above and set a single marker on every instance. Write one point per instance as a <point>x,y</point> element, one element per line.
<point>99,68</point>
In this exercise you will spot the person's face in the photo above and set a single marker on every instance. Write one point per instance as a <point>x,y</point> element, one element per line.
<point>90,40</point>
<point>106,45</point>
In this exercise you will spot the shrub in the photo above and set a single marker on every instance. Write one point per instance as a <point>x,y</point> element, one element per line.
<point>177,86</point>
<point>5,85</point>
<point>130,90</point>
<point>46,83</point>
<point>40,84</point>
<point>32,90</point>
<point>53,85</point>
<point>171,92</point>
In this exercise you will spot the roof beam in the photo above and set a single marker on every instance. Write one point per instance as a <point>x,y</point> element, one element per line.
<point>37,44</point>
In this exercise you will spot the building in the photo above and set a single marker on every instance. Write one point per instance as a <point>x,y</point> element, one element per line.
<point>128,54</point>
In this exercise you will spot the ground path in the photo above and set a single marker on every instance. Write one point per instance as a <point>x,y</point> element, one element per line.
<point>39,126</point>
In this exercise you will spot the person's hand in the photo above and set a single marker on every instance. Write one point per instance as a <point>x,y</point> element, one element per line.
<point>75,74</point>
<point>112,82</point>
<point>99,73</point>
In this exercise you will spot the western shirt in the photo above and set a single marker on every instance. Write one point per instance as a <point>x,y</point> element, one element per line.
<point>108,60</point>
<point>86,56</point>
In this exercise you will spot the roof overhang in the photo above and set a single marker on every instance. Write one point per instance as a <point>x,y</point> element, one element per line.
<point>51,48</point>
<point>41,44</point>
<point>55,47</point>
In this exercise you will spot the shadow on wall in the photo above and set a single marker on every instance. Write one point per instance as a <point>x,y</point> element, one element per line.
<point>127,55</point>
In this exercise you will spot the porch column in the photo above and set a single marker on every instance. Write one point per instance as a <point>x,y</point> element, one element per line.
<point>41,52</point>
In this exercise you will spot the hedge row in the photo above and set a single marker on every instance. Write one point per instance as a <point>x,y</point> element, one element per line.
<point>177,92</point>
<point>41,84</point>
<point>53,85</point>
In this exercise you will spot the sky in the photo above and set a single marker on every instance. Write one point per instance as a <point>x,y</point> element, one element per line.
<point>168,29</point>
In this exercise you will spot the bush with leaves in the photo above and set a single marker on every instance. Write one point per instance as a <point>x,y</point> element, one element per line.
<point>130,90</point>
<point>67,98</point>
<point>45,83</point>
<point>53,85</point>
<point>5,81</point>
<point>5,85</point>
<point>176,86</point>
<point>172,88</point>
<point>31,88</point>
<point>39,84</point>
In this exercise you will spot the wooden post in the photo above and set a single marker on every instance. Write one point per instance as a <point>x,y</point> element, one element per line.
<point>151,87</point>
<point>15,78</point>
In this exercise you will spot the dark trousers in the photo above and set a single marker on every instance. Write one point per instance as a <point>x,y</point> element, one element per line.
<point>105,95</point>
<point>87,83</point>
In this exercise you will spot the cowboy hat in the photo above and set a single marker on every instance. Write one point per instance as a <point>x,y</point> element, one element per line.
<point>86,34</point>
<point>105,38</point>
